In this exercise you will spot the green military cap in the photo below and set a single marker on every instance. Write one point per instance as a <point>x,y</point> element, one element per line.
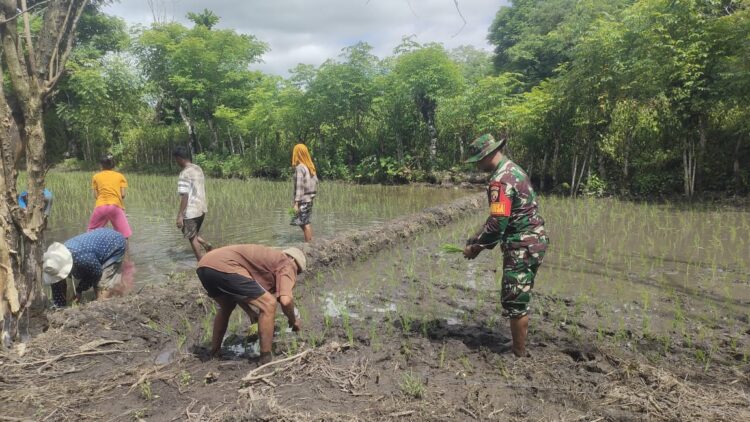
<point>483,146</point>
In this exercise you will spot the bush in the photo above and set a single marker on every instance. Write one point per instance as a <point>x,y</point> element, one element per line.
<point>226,166</point>
<point>74,164</point>
<point>654,184</point>
<point>382,170</point>
<point>595,186</point>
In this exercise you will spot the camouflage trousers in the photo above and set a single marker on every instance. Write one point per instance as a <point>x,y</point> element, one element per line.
<point>519,271</point>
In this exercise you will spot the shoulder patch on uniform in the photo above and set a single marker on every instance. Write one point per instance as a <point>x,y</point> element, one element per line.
<point>500,204</point>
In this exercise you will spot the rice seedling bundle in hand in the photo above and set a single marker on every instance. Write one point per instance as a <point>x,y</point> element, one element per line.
<point>451,248</point>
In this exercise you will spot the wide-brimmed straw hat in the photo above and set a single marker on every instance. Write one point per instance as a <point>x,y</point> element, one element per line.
<point>58,261</point>
<point>299,258</point>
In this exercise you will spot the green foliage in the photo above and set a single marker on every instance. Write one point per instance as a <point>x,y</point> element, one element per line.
<point>382,170</point>
<point>643,97</point>
<point>216,165</point>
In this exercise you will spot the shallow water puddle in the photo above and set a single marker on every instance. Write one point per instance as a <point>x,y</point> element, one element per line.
<point>240,350</point>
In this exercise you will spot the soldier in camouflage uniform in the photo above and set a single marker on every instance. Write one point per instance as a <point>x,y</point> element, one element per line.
<point>514,224</point>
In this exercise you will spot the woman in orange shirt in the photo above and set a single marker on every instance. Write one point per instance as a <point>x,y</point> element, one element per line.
<point>109,188</point>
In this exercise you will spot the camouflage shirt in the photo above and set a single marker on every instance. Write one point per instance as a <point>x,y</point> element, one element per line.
<point>514,221</point>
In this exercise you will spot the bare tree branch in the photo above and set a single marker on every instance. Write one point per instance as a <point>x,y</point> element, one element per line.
<point>411,8</point>
<point>53,78</point>
<point>27,34</point>
<point>24,12</point>
<point>462,18</point>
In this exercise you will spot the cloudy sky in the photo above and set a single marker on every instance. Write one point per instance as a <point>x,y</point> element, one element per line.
<point>310,31</point>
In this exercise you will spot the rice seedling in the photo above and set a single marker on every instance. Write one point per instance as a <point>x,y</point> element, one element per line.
<point>185,378</point>
<point>412,386</point>
<point>466,363</point>
<point>145,388</point>
<point>451,248</point>
<point>348,329</point>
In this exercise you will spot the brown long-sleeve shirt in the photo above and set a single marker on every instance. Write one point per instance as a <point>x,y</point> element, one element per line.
<point>271,268</point>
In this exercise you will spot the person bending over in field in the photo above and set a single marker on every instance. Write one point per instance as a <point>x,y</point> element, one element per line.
<point>251,275</point>
<point>92,260</point>
<point>109,190</point>
<point>515,224</point>
<point>193,205</point>
<point>305,187</point>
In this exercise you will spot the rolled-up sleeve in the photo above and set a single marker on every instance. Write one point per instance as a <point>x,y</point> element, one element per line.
<point>183,185</point>
<point>285,280</point>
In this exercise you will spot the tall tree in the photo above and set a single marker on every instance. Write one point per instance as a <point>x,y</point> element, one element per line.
<point>34,66</point>
<point>427,73</point>
<point>193,67</point>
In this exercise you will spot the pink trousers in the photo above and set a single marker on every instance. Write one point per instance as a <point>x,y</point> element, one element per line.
<point>110,214</point>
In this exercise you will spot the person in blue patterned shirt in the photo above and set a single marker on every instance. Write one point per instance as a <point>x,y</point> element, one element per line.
<point>92,259</point>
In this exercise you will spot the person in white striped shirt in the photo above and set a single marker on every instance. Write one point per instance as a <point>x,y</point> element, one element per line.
<point>193,204</point>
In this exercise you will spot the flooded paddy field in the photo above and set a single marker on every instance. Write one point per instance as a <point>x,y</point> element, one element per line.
<point>640,313</point>
<point>239,211</point>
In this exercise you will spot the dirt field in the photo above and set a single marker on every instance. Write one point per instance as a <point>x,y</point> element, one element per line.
<point>410,333</point>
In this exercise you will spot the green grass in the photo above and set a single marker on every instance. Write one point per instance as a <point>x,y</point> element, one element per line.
<point>412,386</point>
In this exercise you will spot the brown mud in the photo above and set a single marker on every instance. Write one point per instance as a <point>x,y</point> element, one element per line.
<point>411,333</point>
<point>352,245</point>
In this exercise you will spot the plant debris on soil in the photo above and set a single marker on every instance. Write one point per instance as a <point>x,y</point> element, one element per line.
<point>411,333</point>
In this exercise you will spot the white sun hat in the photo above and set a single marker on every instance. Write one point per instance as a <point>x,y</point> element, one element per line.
<point>57,264</point>
<point>299,258</point>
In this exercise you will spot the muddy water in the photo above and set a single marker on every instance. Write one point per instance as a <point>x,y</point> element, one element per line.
<point>253,211</point>
<point>657,270</point>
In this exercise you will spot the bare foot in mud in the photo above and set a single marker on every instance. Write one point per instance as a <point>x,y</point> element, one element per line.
<point>204,354</point>
<point>508,347</point>
<point>520,353</point>
<point>264,358</point>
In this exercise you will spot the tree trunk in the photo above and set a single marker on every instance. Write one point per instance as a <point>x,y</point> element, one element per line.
<point>702,143</point>
<point>433,142</point>
<point>187,119</point>
<point>10,300</point>
<point>688,167</point>
<point>555,160</point>
<point>33,72</point>
<point>231,142</point>
<point>586,160</point>
<point>214,135</point>
<point>625,183</point>
<point>573,177</point>
<point>461,151</point>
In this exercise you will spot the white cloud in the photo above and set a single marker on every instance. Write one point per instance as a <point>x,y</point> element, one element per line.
<point>311,31</point>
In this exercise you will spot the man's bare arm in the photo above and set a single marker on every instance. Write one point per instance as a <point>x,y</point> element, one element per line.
<point>181,211</point>
<point>287,307</point>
